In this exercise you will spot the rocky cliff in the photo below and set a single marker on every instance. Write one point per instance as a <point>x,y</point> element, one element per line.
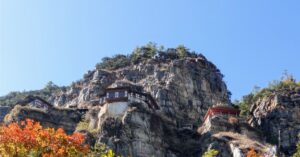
<point>54,118</point>
<point>190,82</point>
<point>183,89</point>
<point>37,109</point>
<point>233,136</point>
<point>278,116</point>
<point>152,105</point>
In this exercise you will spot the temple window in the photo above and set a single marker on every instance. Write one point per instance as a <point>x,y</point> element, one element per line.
<point>122,94</point>
<point>111,94</point>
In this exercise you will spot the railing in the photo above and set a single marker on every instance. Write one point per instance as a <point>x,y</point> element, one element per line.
<point>142,97</point>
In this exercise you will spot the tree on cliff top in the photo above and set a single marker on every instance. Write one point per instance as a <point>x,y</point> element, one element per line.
<point>182,51</point>
<point>143,53</point>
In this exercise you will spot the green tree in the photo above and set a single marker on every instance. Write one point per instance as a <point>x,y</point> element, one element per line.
<point>245,104</point>
<point>150,50</point>
<point>114,62</point>
<point>136,55</point>
<point>51,87</point>
<point>120,61</point>
<point>210,153</point>
<point>182,51</point>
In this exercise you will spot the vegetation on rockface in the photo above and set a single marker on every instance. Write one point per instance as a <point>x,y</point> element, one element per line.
<point>84,125</point>
<point>143,53</point>
<point>115,62</point>
<point>286,82</point>
<point>210,153</point>
<point>297,153</point>
<point>12,98</point>
<point>101,150</point>
<point>29,138</point>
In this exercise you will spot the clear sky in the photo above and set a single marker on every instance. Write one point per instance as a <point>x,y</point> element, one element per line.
<point>251,41</point>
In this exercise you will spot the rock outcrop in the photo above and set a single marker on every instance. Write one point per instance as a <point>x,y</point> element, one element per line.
<point>278,116</point>
<point>233,136</point>
<point>155,106</point>
<point>183,89</point>
<point>3,111</point>
<point>39,110</point>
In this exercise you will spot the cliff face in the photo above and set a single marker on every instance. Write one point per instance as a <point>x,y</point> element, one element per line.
<point>233,136</point>
<point>53,118</point>
<point>183,82</point>
<point>183,89</point>
<point>154,107</point>
<point>36,108</point>
<point>278,116</point>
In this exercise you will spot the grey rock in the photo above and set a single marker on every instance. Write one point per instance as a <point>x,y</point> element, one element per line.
<point>184,89</point>
<point>278,116</point>
<point>3,111</point>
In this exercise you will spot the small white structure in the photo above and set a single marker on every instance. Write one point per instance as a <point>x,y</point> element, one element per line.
<point>116,109</point>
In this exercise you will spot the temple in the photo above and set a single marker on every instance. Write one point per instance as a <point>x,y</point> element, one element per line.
<point>220,111</point>
<point>116,101</point>
<point>125,94</point>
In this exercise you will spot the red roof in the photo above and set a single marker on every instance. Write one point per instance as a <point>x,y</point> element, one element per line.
<point>221,110</point>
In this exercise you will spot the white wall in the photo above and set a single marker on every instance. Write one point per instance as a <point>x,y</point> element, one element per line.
<point>117,108</point>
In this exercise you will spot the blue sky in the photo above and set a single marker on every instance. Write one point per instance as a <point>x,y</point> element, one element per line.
<point>251,42</point>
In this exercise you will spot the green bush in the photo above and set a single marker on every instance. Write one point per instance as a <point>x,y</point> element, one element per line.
<point>84,125</point>
<point>297,153</point>
<point>101,150</point>
<point>182,51</point>
<point>210,153</point>
<point>143,53</point>
<point>118,61</point>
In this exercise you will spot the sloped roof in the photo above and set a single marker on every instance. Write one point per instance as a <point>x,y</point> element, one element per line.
<point>221,109</point>
<point>31,98</point>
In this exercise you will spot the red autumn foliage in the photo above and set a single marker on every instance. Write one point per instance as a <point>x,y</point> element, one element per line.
<point>253,153</point>
<point>30,138</point>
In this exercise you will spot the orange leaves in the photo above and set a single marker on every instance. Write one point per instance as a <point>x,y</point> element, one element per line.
<point>253,153</point>
<point>30,138</point>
